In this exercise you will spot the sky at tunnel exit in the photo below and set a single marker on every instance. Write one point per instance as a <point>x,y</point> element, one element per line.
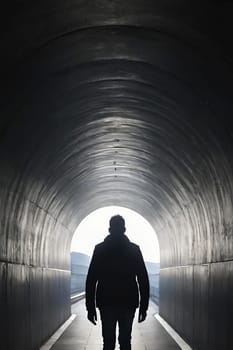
<point>94,228</point>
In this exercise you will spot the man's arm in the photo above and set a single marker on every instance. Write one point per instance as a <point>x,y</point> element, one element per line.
<point>91,288</point>
<point>144,287</point>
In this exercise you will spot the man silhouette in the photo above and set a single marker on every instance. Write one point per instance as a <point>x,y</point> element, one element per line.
<point>116,276</point>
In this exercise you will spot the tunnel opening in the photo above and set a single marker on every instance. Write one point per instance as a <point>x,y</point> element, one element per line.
<point>94,228</point>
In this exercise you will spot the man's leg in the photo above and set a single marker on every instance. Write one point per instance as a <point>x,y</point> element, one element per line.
<point>125,321</point>
<point>109,320</point>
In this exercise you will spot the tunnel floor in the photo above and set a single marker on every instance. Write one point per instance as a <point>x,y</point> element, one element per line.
<point>82,335</point>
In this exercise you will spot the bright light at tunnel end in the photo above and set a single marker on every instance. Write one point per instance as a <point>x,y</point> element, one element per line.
<point>94,228</point>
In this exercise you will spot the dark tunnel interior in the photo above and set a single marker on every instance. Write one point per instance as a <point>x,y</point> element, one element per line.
<point>117,103</point>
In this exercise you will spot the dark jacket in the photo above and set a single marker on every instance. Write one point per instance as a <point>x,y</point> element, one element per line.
<point>116,275</point>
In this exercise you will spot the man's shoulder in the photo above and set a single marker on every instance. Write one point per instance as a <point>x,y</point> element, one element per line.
<point>99,246</point>
<point>134,246</point>
<point>105,245</point>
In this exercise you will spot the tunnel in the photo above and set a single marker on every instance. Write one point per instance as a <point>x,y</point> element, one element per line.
<point>116,103</point>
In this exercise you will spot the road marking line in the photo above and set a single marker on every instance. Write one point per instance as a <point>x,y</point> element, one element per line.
<point>182,344</point>
<point>52,340</point>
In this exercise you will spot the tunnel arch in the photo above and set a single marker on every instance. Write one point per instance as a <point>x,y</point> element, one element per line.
<point>94,228</point>
<point>127,103</point>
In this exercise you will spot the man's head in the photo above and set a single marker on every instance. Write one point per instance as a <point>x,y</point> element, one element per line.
<point>117,225</point>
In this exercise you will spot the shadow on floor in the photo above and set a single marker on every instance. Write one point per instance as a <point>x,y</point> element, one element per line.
<point>82,335</point>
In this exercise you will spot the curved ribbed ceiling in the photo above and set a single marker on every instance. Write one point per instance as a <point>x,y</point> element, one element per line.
<point>117,106</point>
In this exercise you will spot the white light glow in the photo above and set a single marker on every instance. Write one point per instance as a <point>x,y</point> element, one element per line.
<point>94,228</point>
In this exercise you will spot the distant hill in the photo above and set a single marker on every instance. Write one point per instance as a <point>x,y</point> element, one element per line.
<point>152,268</point>
<point>79,268</point>
<point>84,260</point>
<point>80,259</point>
<point>153,272</point>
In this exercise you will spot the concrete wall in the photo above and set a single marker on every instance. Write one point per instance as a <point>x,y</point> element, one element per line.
<point>34,289</point>
<point>196,282</point>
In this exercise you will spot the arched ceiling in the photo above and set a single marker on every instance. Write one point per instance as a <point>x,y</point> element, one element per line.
<point>120,103</point>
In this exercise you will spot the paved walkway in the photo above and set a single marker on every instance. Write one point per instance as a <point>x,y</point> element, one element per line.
<point>82,335</point>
